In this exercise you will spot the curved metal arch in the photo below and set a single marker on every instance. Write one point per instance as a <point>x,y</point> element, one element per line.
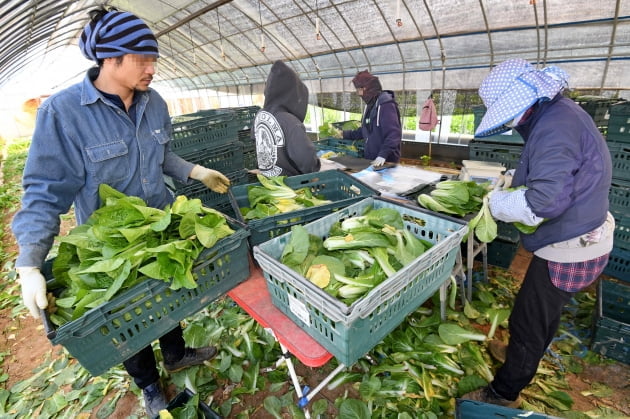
<point>488,32</point>
<point>613,35</point>
<point>207,41</point>
<point>292,34</point>
<point>400,54</point>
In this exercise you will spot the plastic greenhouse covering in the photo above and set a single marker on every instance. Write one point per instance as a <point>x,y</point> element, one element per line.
<point>224,48</point>
<point>224,44</point>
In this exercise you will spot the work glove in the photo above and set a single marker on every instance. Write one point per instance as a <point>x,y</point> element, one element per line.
<point>512,207</point>
<point>33,289</point>
<point>211,178</point>
<point>379,161</point>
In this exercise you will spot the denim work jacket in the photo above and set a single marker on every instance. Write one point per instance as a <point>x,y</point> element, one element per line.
<point>81,140</point>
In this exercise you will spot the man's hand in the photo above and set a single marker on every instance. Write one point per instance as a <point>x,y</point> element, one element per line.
<point>33,289</point>
<point>211,178</point>
<point>379,161</point>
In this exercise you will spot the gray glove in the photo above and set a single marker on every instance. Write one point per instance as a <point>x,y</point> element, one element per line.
<point>33,289</point>
<point>379,161</point>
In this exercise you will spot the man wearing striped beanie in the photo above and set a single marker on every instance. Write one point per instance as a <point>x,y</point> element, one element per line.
<point>110,128</point>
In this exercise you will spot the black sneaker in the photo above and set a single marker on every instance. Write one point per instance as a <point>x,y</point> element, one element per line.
<point>488,395</point>
<point>154,399</point>
<point>192,357</point>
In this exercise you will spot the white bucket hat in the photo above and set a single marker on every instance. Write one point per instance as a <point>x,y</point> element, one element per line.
<point>511,88</point>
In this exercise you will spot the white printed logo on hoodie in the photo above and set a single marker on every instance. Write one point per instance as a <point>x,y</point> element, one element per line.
<point>269,137</point>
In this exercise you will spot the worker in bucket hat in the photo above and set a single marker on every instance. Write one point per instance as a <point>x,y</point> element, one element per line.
<point>112,129</point>
<point>560,193</point>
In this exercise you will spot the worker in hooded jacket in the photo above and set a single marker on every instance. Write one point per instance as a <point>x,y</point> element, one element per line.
<point>380,126</point>
<point>282,146</point>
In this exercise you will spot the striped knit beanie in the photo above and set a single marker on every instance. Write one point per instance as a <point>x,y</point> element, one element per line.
<point>115,34</point>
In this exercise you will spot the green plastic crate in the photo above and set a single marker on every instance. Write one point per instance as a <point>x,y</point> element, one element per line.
<point>472,409</point>
<point>611,334</point>
<point>622,231</point>
<point>619,264</point>
<point>245,136</point>
<point>501,253</point>
<point>111,333</point>
<point>245,115</point>
<point>618,129</point>
<point>334,185</point>
<point>349,332</point>
<point>198,132</point>
<point>352,148</point>
<point>209,198</point>
<point>620,155</point>
<point>203,411</point>
<point>619,197</point>
<point>225,158</point>
<point>250,160</point>
<point>506,154</point>
<point>507,232</point>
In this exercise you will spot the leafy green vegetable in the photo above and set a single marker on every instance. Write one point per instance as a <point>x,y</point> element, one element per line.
<point>483,224</point>
<point>356,240</point>
<point>379,218</point>
<point>457,197</point>
<point>125,242</point>
<point>352,261</point>
<point>327,130</point>
<point>274,197</point>
<point>453,334</point>
<point>351,125</point>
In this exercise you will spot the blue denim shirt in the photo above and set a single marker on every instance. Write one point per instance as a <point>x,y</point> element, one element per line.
<point>81,140</point>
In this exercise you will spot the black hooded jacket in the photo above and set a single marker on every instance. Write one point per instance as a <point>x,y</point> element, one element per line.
<point>282,147</point>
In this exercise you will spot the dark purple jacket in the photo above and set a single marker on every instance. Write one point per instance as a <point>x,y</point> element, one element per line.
<point>567,169</point>
<point>381,129</point>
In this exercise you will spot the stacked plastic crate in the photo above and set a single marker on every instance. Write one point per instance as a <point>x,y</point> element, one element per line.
<point>598,108</point>
<point>611,335</point>
<point>506,150</point>
<point>618,139</point>
<point>211,138</point>
<point>246,115</point>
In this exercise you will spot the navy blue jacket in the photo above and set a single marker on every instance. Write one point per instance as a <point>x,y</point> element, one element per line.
<point>381,129</point>
<point>567,169</point>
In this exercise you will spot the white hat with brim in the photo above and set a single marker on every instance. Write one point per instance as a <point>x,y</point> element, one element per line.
<point>511,88</point>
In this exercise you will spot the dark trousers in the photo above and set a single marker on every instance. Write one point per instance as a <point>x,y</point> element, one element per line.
<point>533,323</point>
<point>142,367</point>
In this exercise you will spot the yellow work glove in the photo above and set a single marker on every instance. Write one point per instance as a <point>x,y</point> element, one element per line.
<point>211,178</point>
